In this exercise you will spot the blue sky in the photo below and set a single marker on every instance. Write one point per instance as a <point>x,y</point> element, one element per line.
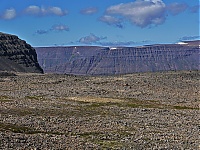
<point>100,22</point>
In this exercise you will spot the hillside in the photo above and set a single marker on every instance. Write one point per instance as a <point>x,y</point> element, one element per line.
<point>89,60</point>
<point>16,55</point>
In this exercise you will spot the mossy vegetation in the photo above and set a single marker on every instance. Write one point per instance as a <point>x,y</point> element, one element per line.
<point>184,107</point>
<point>34,97</point>
<point>15,128</point>
<point>106,140</point>
<point>110,144</point>
<point>4,98</point>
<point>22,129</point>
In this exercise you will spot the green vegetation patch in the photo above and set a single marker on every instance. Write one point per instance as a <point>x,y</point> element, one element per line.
<point>18,111</point>
<point>105,140</point>
<point>184,107</point>
<point>134,103</point>
<point>89,134</point>
<point>21,129</point>
<point>4,98</point>
<point>15,128</point>
<point>35,97</point>
<point>110,144</point>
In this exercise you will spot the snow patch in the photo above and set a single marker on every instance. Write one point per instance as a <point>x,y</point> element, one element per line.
<point>182,43</point>
<point>112,48</point>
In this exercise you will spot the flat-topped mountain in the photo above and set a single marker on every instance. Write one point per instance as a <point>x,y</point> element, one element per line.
<point>93,60</point>
<point>16,55</point>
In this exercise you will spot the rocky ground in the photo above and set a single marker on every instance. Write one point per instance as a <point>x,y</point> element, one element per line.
<point>135,111</point>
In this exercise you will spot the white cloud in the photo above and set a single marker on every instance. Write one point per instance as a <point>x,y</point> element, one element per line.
<point>176,8</point>
<point>91,39</point>
<point>89,11</point>
<point>33,10</point>
<point>36,10</point>
<point>125,43</point>
<point>140,12</point>
<point>117,43</point>
<point>110,20</point>
<point>9,14</point>
<point>145,13</point>
<point>60,28</point>
<point>42,32</point>
<point>195,9</point>
<point>56,11</point>
<point>186,38</point>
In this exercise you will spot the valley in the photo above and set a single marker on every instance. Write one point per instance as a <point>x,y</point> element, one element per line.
<point>133,111</point>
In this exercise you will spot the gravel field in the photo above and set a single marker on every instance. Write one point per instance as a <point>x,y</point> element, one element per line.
<point>141,111</point>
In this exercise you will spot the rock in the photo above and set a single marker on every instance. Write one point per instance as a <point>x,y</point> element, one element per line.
<point>5,73</point>
<point>38,112</point>
<point>93,60</point>
<point>16,55</point>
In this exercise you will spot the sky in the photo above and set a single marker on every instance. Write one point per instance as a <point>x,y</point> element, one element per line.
<point>100,22</point>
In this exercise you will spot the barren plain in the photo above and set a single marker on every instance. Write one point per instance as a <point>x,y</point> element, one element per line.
<point>134,111</point>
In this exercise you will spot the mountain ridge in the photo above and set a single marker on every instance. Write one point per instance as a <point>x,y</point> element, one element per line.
<point>97,60</point>
<point>17,56</point>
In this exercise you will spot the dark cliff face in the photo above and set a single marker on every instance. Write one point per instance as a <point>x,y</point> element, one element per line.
<point>119,60</point>
<point>16,55</point>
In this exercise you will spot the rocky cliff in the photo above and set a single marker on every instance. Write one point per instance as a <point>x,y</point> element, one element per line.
<point>16,55</point>
<point>119,60</point>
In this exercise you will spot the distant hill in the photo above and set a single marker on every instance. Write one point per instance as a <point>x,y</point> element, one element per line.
<point>89,60</point>
<point>16,55</point>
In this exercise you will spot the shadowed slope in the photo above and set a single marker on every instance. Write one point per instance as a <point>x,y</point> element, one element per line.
<point>16,55</point>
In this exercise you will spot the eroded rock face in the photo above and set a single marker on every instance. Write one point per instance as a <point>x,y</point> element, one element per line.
<point>16,55</point>
<point>120,60</point>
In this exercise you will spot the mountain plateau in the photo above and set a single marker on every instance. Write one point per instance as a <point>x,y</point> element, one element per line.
<point>94,60</point>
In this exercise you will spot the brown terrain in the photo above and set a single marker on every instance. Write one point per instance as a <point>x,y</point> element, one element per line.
<point>134,111</point>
